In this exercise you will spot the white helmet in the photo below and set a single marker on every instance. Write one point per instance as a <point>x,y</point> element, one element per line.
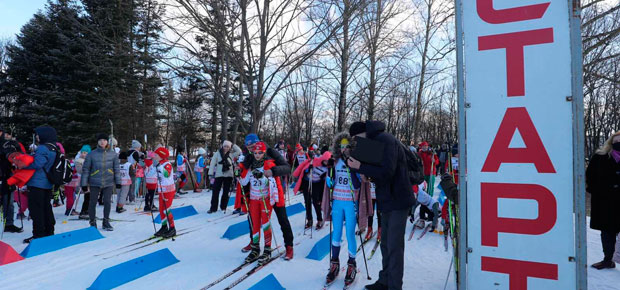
<point>201,151</point>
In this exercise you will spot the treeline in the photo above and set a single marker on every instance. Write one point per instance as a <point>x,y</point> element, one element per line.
<point>203,71</point>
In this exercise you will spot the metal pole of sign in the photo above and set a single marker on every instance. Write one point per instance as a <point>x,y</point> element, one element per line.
<point>461,264</point>
<point>579,192</point>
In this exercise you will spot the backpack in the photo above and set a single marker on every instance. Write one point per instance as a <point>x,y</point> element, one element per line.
<point>61,172</point>
<point>415,168</point>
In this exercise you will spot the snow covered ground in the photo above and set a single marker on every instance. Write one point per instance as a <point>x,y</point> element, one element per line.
<point>204,256</point>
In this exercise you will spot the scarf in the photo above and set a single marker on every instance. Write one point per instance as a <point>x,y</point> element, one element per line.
<point>225,160</point>
<point>257,164</point>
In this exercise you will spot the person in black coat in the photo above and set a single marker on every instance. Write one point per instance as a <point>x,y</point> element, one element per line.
<point>394,199</point>
<point>603,183</point>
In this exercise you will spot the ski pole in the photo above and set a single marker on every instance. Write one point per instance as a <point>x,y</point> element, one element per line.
<point>247,207</point>
<point>445,284</point>
<point>77,200</point>
<point>268,212</point>
<point>19,203</point>
<point>3,221</point>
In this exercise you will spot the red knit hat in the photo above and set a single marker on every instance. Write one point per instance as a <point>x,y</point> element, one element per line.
<point>424,143</point>
<point>298,147</point>
<point>162,152</point>
<point>260,147</point>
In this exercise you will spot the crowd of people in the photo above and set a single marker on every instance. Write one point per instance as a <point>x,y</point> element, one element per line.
<point>336,187</point>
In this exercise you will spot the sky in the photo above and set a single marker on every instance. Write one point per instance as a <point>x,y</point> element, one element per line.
<point>15,13</point>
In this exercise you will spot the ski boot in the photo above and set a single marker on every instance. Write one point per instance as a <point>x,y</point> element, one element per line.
<point>162,230</point>
<point>106,225</point>
<point>368,234</point>
<point>351,272</point>
<point>253,256</point>
<point>28,240</point>
<point>170,233</point>
<point>289,253</point>
<point>93,223</point>
<point>84,216</point>
<point>120,209</point>
<point>319,225</point>
<point>308,225</point>
<point>265,257</point>
<point>197,188</point>
<point>334,270</point>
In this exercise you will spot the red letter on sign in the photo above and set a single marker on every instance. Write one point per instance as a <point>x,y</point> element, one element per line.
<point>492,224</point>
<point>518,271</point>
<point>490,15</point>
<point>514,43</point>
<point>534,151</point>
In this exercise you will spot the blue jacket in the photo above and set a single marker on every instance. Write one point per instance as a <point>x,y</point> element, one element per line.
<point>43,158</point>
<point>393,188</point>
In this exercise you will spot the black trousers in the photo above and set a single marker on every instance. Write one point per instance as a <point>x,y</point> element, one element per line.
<point>40,207</point>
<point>85,203</point>
<point>148,198</point>
<point>285,225</point>
<point>393,248</point>
<point>215,194</point>
<point>312,197</point>
<point>426,213</point>
<point>608,239</point>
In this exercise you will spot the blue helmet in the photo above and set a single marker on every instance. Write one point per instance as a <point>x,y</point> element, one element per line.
<point>251,139</point>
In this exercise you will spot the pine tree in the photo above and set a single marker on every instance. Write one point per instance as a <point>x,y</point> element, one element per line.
<point>49,77</point>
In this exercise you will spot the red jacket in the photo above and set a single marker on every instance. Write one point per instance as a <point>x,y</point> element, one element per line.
<point>239,203</point>
<point>426,161</point>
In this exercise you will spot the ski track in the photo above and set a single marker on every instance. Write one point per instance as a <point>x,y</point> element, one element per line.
<point>204,256</point>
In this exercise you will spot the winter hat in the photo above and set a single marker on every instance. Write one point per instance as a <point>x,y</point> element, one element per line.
<point>324,149</point>
<point>86,148</point>
<point>357,128</point>
<point>135,144</point>
<point>162,152</point>
<point>226,142</point>
<point>60,147</point>
<point>103,136</point>
<point>201,151</point>
<point>250,139</point>
<point>298,147</point>
<point>260,147</point>
<point>424,143</point>
<point>344,142</point>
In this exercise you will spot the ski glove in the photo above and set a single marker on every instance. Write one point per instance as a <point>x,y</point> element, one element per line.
<point>446,176</point>
<point>329,182</point>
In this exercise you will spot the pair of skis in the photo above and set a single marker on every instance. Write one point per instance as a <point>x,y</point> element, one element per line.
<point>426,229</point>
<point>326,286</point>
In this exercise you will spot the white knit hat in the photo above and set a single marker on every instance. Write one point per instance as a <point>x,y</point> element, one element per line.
<point>201,151</point>
<point>226,142</point>
<point>135,144</point>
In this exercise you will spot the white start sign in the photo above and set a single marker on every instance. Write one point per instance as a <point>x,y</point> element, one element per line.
<point>519,144</point>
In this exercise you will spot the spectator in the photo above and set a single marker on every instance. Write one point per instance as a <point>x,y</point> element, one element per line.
<point>7,146</point>
<point>39,187</point>
<point>394,199</point>
<point>222,169</point>
<point>603,183</point>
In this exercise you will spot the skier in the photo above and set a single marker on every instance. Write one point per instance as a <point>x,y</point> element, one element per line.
<point>166,190</point>
<point>150,178</point>
<point>101,171</point>
<point>79,161</point>
<point>180,162</point>
<point>368,185</point>
<point>126,168</point>
<point>264,193</point>
<point>344,204</point>
<point>71,186</point>
<point>135,157</point>
<point>282,168</point>
<point>199,167</point>
<point>312,174</point>
<point>427,202</point>
<point>430,162</point>
<point>300,156</point>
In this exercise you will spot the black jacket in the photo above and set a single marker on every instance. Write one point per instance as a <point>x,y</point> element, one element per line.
<point>393,188</point>
<point>603,182</point>
<point>281,169</point>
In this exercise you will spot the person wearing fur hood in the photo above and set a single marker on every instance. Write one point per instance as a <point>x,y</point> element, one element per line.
<point>345,206</point>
